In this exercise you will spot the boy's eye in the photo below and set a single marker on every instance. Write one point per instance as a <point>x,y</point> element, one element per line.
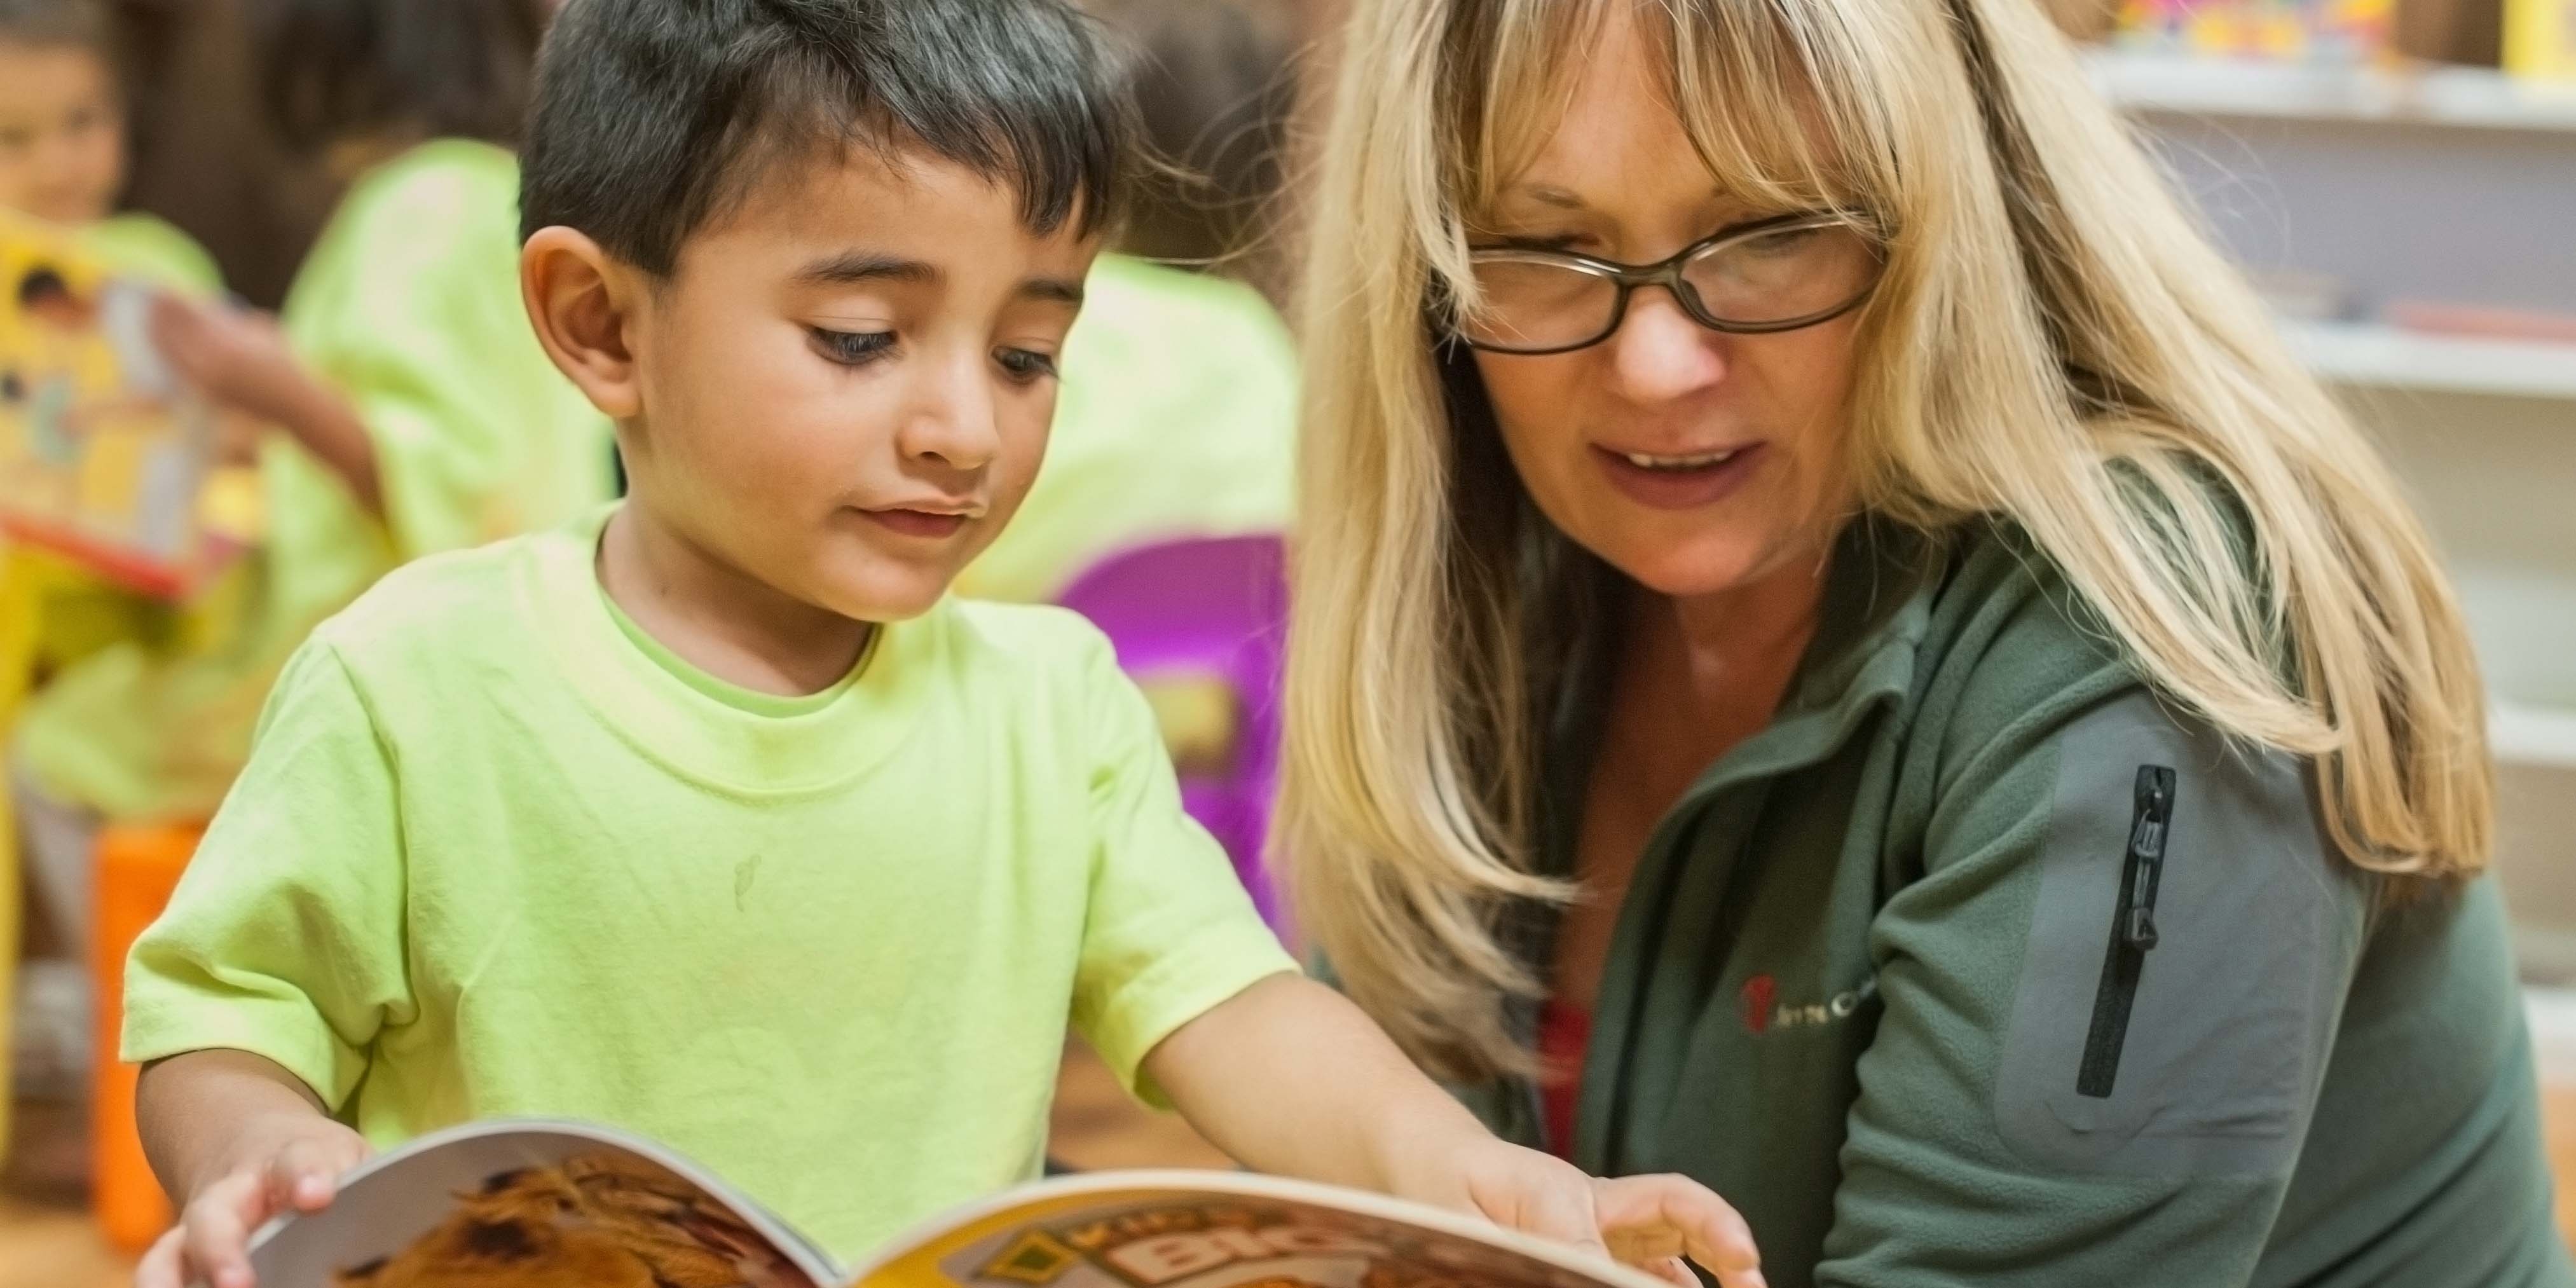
<point>1026,364</point>
<point>851,348</point>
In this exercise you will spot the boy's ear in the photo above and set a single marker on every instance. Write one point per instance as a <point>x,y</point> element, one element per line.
<point>582,302</point>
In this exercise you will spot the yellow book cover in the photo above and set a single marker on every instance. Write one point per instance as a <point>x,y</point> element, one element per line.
<point>104,455</point>
<point>557,1204</point>
<point>2540,39</point>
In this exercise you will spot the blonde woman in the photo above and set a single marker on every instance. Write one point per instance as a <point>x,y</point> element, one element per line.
<point>1837,654</point>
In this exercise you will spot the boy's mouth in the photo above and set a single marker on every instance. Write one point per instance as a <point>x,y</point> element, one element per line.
<point>932,524</point>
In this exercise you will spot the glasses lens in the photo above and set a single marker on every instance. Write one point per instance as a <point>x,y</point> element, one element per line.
<point>1785,274</point>
<point>1533,304</point>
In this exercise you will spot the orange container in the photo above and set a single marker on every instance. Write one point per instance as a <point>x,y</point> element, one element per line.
<point>137,869</point>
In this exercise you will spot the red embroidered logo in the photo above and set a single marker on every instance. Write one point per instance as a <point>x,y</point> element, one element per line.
<point>1759,992</point>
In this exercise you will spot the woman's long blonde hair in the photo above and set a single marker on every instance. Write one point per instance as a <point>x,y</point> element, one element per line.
<point>2054,344</point>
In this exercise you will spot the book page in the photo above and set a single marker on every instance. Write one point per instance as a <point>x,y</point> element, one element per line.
<point>1225,1230</point>
<point>535,1205</point>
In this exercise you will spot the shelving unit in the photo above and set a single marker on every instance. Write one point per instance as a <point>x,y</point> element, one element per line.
<point>2458,185</point>
<point>2467,97</point>
<point>2541,737</point>
<point>2388,357</point>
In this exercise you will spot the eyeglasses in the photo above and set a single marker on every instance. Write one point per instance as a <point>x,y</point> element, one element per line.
<point>1754,279</point>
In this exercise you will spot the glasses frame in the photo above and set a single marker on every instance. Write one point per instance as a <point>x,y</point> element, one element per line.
<point>1667,273</point>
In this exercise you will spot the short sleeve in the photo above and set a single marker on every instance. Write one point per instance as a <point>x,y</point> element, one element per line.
<point>1170,932</point>
<point>285,937</point>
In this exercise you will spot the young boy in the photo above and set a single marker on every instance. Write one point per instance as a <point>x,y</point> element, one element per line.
<point>712,816</point>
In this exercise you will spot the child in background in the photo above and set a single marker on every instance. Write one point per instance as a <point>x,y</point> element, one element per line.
<point>711,815</point>
<point>419,412</point>
<point>63,159</point>
<point>1179,410</point>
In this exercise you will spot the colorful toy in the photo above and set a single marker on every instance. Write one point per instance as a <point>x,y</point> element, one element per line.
<point>104,455</point>
<point>2317,31</point>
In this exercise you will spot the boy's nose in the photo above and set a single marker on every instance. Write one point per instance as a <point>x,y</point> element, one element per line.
<point>953,423</point>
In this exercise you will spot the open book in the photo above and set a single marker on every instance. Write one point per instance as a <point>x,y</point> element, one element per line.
<point>105,457</point>
<point>553,1205</point>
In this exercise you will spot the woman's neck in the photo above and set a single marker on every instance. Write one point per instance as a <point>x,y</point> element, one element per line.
<point>718,618</point>
<point>1742,643</point>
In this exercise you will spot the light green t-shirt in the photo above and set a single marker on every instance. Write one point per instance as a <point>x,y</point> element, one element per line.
<point>1177,417</point>
<point>493,858</point>
<point>410,306</point>
<point>154,250</point>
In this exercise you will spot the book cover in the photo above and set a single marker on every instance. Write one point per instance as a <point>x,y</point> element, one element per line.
<point>553,1204</point>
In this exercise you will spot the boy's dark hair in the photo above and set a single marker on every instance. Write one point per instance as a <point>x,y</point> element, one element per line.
<point>654,116</point>
<point>77,24</point>
<point>336,69</point>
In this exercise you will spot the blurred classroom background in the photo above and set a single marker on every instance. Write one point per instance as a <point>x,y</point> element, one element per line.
<point>2398,175</point>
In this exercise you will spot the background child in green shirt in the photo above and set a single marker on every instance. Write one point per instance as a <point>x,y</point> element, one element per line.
<point>714,816</point>
<point>418,413</point>
<point>63,159</point>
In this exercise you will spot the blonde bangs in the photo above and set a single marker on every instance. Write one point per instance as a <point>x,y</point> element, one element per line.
<point>1748,79</point>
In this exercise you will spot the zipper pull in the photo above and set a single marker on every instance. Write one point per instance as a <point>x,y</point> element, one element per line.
<point>2155,798</point>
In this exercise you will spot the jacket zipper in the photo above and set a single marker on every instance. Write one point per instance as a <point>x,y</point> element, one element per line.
<point>2133,931</point>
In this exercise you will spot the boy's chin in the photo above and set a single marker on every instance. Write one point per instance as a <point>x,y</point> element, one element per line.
<point>885,594</point>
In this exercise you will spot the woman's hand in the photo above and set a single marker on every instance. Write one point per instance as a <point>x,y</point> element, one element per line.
<point>1651,1222</point>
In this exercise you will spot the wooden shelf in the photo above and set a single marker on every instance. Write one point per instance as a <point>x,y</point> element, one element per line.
<point>2390,357</point>
<point>2471,97</point>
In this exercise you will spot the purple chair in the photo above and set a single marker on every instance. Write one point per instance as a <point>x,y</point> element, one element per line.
<point>1216,608</point>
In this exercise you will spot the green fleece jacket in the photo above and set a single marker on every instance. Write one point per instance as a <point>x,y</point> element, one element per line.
<point>1983,965</point>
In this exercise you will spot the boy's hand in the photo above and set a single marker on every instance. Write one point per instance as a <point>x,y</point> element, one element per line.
<point>281,1163</point>
<point>1650,1222</point>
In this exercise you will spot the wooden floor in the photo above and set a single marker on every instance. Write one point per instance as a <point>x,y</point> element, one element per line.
<point>46,1243</point>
